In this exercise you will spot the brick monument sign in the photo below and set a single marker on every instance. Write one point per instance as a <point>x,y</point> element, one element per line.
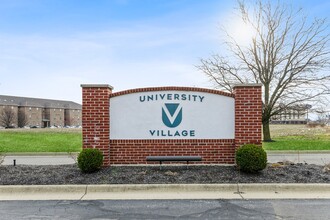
<point>130,125</point>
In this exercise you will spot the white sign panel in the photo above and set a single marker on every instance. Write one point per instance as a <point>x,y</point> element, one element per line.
<point>172,115</point>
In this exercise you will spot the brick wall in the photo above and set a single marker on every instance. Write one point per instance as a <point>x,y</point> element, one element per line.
<point>248,114</point>
<point>96,118</point>
<point>135,151</point>
<point>72,117</point>
<point>96,128</point>
<point>34,115</point>
<point>56,117</point>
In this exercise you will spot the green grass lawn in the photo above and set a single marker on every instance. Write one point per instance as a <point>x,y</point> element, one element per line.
<point>298,137</point>
<point>286,137</point>
<point>319,142</point>
<point>40,140</point>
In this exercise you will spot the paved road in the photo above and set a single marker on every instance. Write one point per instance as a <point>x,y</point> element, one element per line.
<point>167,209</point>
<point>320,158</point>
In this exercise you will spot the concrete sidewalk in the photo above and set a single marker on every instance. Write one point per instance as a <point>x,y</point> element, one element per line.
<point>40,159</point>
<point>166,191</point>
<point>309,157</point>
<point>312,157</point>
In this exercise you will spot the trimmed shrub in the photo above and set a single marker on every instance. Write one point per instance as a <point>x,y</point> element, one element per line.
<point>251,158</point>
<point>90,160</point>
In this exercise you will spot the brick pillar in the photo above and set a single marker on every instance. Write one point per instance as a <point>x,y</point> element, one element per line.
<point>96,118</point>
<point>248,114</point>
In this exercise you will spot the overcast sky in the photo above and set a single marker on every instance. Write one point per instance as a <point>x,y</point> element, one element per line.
<point>49,47</point>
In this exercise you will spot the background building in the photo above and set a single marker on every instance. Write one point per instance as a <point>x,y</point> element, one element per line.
<point>36,112</point>
<point>297,114</point>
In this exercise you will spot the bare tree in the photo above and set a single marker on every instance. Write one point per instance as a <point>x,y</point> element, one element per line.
<point>7,117</point>
<point>286,54</point>
<point>323,115</point>
<point>22,118</point>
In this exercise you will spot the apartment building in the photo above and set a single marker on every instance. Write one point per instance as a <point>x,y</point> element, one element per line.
<point>41,112</point>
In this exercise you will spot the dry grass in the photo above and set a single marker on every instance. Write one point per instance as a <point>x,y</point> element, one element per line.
<point>42,130</point>
<point>298,130</point>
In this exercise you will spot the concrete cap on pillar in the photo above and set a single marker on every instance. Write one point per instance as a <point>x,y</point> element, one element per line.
<point>96,86</point>
<point>248,85</point>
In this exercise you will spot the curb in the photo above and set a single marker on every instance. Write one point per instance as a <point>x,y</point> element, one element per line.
<point>297,152</point>
<point>165,191</point>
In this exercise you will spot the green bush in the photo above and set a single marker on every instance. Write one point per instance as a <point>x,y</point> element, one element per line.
<point>90,160</point>
<point>251,158</point>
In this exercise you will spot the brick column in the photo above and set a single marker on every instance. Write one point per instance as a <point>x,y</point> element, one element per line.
<point>248,114</point>
<point>96,118</point>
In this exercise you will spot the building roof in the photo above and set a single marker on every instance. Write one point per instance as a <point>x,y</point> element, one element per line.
<point>36,102</point>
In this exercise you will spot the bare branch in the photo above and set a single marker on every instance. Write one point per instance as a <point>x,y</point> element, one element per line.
<point>288,54</point>
<point>7,117</point>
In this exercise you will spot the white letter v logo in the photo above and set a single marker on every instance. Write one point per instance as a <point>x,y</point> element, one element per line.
<point>171,114</point>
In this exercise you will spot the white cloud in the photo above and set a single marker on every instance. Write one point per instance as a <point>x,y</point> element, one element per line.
<point>49,67</point>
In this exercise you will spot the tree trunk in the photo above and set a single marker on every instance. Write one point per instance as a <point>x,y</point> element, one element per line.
<point>266,131</point>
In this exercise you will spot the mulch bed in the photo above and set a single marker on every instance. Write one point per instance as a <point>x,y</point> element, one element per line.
<point>70,174</point>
